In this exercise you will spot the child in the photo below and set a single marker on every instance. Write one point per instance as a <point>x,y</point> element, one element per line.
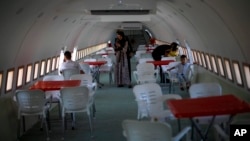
<point>183,70</point>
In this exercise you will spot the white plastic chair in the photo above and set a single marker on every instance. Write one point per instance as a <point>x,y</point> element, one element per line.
<point>107,68</point>
<point>32,103</point>
<point>87,80</point>
<point>54,96</point>
<point>68,72</point>
<point>151,131</point>
<point>150,101</point>
<point>85,67</point>
<point>206,90</point>
<point>75,100</point>
<point>145,73</point>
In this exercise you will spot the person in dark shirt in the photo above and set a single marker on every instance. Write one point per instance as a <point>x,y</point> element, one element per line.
<point>163,50</point>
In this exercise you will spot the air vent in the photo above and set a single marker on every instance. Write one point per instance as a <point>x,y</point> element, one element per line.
<point>131,26</point>
<point>120,12</point>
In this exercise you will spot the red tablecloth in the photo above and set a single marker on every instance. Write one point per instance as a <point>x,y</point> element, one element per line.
<point>96,63</point>
<point>159,63</point>
<point>208,106</point>
<point>55,85</point>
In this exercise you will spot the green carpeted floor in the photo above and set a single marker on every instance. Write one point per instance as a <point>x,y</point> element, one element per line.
<point>113,106</point>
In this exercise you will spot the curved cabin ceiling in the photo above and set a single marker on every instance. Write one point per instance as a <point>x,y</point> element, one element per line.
<point>32,30</point>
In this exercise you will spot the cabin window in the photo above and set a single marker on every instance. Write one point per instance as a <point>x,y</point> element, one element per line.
<point>228,69</point>
<point>195,56</point>
<point>35,76</point>
<point>48,65</point>
<point>208,62</point>
<point>203,60</point>
<point>57,61</point>
<point>9,78</point>
<point>199,58</point>
<point>214,66</point>
<point>42,68</point>
<point>220,65</point>
<point>237,73</point>
<point>28,73</point>
<point>246,68</point>
<point>20,73</point>
<point>1,80</point>
<point>53,66</point>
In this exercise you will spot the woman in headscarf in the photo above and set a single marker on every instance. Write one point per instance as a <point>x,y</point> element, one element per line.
<point>121,67</point>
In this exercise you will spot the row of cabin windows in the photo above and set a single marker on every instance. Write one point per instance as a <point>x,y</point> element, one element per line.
<point>46,66</point>
<point>217,64</point>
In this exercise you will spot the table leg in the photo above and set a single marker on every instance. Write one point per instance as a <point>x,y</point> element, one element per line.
<point>98,77</point>
<point>198,129</point>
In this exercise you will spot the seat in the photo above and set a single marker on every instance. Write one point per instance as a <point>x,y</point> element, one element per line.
<point>107,68</point>
<point>150,101</point>
<point>68,72</point>
<point>151,131</point>
<point>75,100</point>
<point>53,96</point>
<point>32,103</point>
<point>145,73</point>
<point>87,80</point>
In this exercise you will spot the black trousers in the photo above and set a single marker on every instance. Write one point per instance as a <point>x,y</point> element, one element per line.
<point>158,58</point>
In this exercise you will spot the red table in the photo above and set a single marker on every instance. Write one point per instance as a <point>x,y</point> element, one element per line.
<point>97,71</point>
<point>162,62</point>
<point>55,85</point>
<point>207,106</point>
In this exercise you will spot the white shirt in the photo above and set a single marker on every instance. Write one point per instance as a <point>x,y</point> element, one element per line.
<point>183,69</point>
<point>69,64</point>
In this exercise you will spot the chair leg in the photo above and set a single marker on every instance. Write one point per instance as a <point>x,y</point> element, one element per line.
<point>90,125</point>
<point>46,128</point>
<point>18,129</point>
<point>73,120</point>
<point>59,110</point>
<point>63,126</point>
<point>23,123</point>
<point>94,109</point>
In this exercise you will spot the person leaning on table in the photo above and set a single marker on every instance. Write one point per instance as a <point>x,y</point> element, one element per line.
<point>166,51</point>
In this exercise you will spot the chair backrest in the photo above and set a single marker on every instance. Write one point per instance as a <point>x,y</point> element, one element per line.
<point>68,72</point>
<point>145,71</point>
<point>204,90</point>
<point>86,79</point>
<point>148,94</point>
<point>146,131</point>
<point>53,77</point>
<point>75,98</point>
<point>85,67</point>
<point>30,101</point>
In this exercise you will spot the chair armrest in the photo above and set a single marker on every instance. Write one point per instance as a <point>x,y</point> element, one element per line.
<point>181,134</point>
